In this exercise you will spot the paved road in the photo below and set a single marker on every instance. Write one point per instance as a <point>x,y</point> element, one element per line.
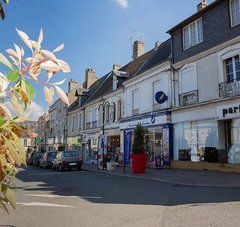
<point>47,198</point>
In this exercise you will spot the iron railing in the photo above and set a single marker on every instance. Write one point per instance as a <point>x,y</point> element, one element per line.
<point>227,89</point>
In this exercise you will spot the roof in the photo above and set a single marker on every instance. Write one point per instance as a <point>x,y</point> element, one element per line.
<point>159,56</point>
<point>131,68</point>
<point>103,86</point>
<point>195,16</point>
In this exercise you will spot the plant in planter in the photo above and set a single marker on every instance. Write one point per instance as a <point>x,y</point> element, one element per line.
<point>139,157</point>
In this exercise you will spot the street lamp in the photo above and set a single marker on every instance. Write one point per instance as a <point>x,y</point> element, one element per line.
<point>103,105</point>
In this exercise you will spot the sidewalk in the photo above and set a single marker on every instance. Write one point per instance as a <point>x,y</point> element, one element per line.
<point>181,177</point>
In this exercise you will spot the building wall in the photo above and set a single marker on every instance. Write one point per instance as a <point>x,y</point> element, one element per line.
<point>216,30</point>
<point>146,95</point>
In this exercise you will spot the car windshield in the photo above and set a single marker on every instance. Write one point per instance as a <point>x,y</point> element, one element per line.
<point>70,154</point>
<point>52,154</point>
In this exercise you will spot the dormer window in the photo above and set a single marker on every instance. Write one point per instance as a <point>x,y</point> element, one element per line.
<point>193,34</point>
<point>114,85</point>
<point>235,12</point>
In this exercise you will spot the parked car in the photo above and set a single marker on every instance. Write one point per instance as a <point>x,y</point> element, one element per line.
<point>47,159</point>
<point>67,160</point>
<point>36,157</point>
<point>29,158</point>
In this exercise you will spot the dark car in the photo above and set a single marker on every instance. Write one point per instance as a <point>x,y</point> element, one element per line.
<point>29,158</point>
<point>47,159</point>
<point>36,157</point>
<point>67,160</point>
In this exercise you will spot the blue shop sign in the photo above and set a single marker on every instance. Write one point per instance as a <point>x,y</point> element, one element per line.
<point>127,147</point>
<point>161,97</point>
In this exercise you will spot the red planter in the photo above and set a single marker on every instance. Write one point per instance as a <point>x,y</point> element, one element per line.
<point>139,163</point>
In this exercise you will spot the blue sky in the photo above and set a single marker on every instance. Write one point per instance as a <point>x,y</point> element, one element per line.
<point>94,31</point>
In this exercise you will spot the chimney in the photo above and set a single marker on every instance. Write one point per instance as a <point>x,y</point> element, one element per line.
<point>90,78</point>
<point>202,5</point>
<point>72,84</point>
<point>116,67</point>
<point>138,49</point>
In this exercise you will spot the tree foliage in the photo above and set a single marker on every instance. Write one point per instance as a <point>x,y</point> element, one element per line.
<point>138,140</point>
<point>16,93</point>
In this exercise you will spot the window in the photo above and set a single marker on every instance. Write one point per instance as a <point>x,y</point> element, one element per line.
<point>135,101</point>
<point>107,113</point>
<point>196,141</point>
<point>114,85</point>
<point>119,109</point>
<point>188,79</point>
<point>90,116</point>
<point>79,122</point>
<point>72,123</point>
<point>25,143</point>
<point>193,34</point>
<point>235,12</point>
<point>232,69</point>
<point>156,88</point>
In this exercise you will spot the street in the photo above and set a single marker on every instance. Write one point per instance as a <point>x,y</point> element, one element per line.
<point>83,198</point>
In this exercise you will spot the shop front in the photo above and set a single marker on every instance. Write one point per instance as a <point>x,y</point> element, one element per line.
<point>210,139</point>
<point>157,138</point>
<point>90,147</point>
<point>73,143</point>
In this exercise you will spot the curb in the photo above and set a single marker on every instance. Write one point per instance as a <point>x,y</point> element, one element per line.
<point>159,180</point>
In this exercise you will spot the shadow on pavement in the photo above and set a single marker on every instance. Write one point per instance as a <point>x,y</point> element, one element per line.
<point>121,190</point>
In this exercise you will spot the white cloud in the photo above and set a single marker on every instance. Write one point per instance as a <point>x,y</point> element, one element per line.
<point>123,3</point>
<point>34,111</point>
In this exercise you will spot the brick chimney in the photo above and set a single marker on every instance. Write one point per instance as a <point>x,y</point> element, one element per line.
<point>72,84</point>
<point>90,78</point>
<point>202,5</point>
<point>116,67</point>
<point>138,49</point>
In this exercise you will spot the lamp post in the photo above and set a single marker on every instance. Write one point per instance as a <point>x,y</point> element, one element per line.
<point>103,105</point>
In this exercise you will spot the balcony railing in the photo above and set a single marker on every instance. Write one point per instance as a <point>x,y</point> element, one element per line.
<point>228,89</point>
<point>89,125</point>
<point>94,124</point>
<point>188,98</point>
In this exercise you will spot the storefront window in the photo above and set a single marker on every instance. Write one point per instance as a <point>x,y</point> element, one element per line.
<point>196,141</point>
<point>234,151</point>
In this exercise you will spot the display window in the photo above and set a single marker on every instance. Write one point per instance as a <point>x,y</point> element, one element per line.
<point>196,141</point>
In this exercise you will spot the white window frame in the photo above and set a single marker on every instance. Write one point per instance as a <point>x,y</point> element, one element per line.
<point>135,92</point>
<point>197,35</point>
<point>231,13</point>
<point>188,67</point>
<point>114,85</point>
<point>234,68</point>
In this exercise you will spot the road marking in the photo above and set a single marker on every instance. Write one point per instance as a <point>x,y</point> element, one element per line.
<point>63,196</point>
<point>37,204</point>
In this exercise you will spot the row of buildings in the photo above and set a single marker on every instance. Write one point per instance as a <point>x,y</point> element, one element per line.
<point>185,92</point>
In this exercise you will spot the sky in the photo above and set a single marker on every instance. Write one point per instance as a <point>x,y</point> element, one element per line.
<point>95,32</point>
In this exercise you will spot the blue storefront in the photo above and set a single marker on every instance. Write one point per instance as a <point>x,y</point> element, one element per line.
<point>158,137</point>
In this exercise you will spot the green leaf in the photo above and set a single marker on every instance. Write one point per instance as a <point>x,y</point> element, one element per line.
<point>2,121</point>
<point>30,91</point>
<point>13,75</point>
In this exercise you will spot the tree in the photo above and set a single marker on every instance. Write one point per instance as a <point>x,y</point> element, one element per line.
<point>16,93</point>
<point>138,140</point>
